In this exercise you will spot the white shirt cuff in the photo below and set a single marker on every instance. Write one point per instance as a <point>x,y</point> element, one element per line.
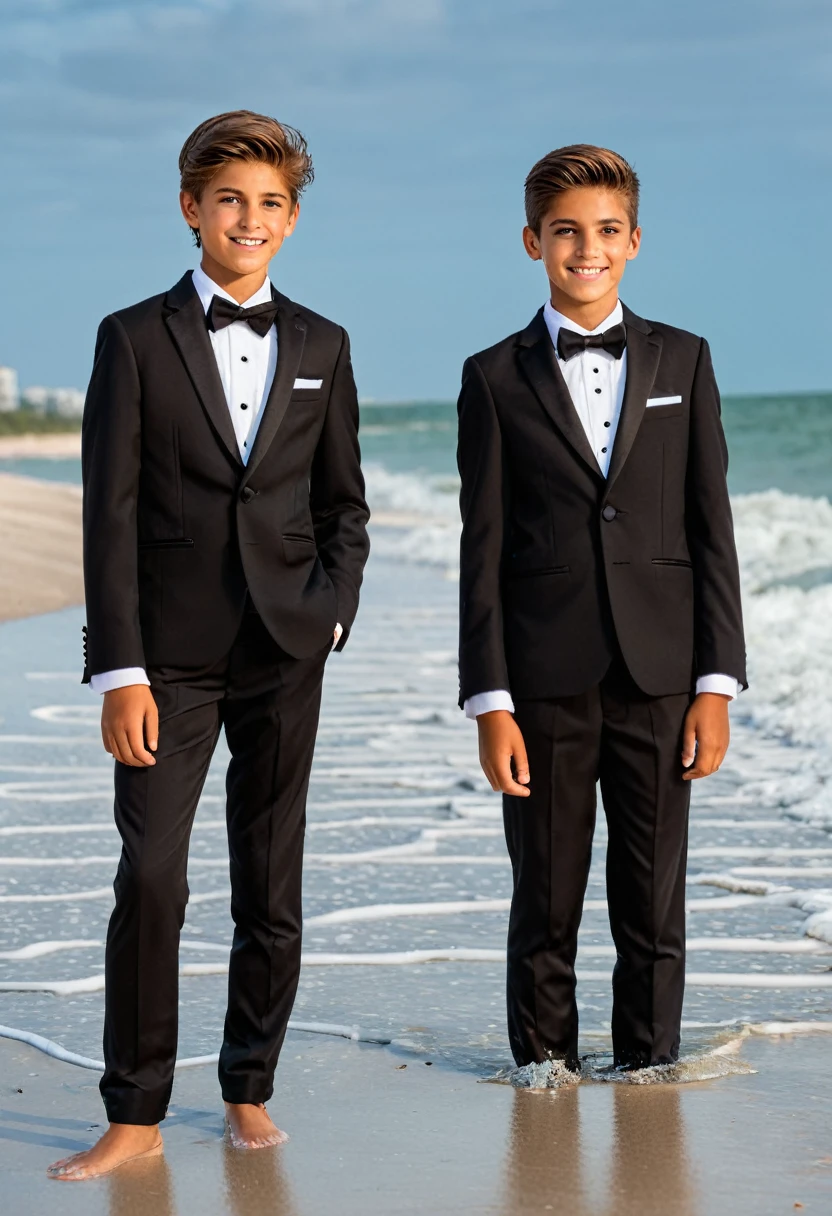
<point>106,681</point>
<point>726,686</point>
<point>487,702</point>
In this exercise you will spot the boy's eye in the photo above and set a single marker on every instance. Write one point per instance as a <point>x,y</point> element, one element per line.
<point>230,198</point>
<point>609,231</point>
<point>564,231</point>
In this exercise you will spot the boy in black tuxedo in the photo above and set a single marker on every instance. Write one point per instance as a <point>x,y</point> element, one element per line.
<point>224,544</point>
<point>601,628</point>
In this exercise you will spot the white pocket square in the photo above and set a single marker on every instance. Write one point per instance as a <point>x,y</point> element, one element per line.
<point>318,383</point>
<point>664,401</point>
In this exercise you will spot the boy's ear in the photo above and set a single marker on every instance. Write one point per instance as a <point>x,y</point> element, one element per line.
<point>188,205</point>
<point>531,242</point>
<point>292,220</point>
<point>635,244</point>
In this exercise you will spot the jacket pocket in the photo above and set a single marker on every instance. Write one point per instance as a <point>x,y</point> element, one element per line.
<point>671,561</point>
<point>182,542</point>
<point>298,550</point>
<point>540,573</point>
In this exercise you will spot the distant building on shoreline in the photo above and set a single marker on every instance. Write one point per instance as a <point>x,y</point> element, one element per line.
<point>65,402</point>
<point>9,395</point>
<point>60,402</point>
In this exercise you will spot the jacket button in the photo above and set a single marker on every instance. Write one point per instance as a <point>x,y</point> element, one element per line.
<point>609,514</point>
<point>247,494</point>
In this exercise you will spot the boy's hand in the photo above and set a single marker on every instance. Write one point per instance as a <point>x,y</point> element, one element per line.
<point>706,735</point>
<point>500,742</point>
<point>130,725</point>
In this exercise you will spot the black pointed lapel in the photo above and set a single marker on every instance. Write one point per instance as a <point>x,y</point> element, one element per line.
<point>291,335</point>
<point>186,323</point>
<point>644,348</point>
<point>540,365</point>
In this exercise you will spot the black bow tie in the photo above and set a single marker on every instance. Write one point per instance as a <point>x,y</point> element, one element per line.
<point>222,312</point>
<point>611,340</point>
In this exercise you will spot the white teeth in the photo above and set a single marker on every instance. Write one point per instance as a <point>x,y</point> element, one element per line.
<point>586,270</point>
<point>241,240</point>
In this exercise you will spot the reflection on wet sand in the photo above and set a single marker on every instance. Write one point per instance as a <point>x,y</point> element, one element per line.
<point>544,1170</point>
<point>650,1173</point>
<point>142,1188</point>
<point>644,1170</point>
<point>256,1183</point>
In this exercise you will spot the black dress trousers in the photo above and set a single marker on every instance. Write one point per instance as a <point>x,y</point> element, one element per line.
<point>269,704</point>
<point>632,744</point>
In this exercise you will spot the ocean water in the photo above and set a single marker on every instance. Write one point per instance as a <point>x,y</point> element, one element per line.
<point>407,882</point>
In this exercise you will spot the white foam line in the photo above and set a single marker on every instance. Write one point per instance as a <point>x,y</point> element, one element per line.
<point>756,825</point>
<point>775,1029</point>
<point>51,740</point>
<point>71,897</point>
<point>761,854</point>
<point>408,958</point>
<point>41,949</point>
<point>57,1052</point>
<point>371,912</point>
<point>318,859</point>
<point>58,829</point>
<point>784,871</point>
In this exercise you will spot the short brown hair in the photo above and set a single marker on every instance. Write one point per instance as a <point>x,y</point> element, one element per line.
<point>243,135</point>
<point>573,167</point>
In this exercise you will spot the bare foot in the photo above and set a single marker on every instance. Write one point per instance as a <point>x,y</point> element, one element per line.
<point>251,1126</point>
<point>122,1142</point>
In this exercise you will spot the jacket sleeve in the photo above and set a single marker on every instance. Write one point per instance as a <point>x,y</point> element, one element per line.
<point>482,500</point>
<point>110,462</point>
<point>718,631</point>
<point>339,509</point>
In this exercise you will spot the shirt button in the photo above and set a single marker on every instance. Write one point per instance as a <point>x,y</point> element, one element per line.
<point>244,358</point>
<point>603,449</point>
<point>607,424</point>
<point>595,369</point>
<point>243,405</point>
<point>597,390</point>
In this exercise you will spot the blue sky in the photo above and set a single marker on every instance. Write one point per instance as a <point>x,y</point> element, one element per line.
<point>423,117</point>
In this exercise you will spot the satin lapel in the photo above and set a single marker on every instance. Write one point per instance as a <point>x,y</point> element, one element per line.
<point>190,333</point>
<point>291,335</point>
<point>643,354</point>
<point>541,368</point>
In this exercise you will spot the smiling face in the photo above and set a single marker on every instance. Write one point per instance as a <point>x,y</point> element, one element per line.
<point>585,243</point>
<point>243,216</point>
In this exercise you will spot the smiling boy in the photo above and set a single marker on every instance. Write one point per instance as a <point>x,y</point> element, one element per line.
<point>601,629</point>
<point>224,544</point>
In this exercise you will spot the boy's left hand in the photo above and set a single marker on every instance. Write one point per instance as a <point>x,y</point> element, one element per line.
<point>706,735</point>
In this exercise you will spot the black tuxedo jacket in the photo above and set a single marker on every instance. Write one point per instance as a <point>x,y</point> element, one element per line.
<point>176,528</point>
<point>561,567</point>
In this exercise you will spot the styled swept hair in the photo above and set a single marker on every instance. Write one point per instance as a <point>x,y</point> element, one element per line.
<point>243,135</point>
<point>573,167</point>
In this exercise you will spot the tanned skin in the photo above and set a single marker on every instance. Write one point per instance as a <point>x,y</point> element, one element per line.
<point>245,201</point>
<point>588,229</point>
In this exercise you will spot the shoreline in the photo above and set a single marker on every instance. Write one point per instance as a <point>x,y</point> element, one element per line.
<point>57,445</point>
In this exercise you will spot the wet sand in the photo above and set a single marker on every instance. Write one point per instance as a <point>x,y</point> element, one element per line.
<point>370,1137</point>
<point>40,531</point>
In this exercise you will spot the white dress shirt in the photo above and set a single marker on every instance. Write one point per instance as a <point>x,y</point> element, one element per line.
<point>246,363</point>
<point>596,381</point>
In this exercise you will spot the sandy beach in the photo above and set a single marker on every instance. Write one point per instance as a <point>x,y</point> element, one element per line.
<point>40,526</point>
<point>406,894</point>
